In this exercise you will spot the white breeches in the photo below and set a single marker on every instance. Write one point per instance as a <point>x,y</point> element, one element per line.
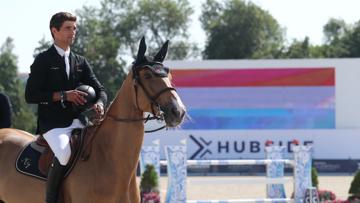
<point>59,141</point>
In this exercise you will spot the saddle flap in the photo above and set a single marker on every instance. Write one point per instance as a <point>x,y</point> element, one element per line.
<point>35,159</point>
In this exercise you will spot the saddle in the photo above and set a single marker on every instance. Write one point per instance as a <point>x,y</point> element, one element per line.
<point>36,157</point>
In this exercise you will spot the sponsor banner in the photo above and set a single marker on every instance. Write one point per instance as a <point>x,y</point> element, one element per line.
<point>261,98</point>
<point>250,144</point>
<point>265,76</point>
<point>344,166</point>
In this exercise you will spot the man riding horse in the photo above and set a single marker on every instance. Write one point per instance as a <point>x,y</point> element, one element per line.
<point>106,167</point>
<point>51,85</point>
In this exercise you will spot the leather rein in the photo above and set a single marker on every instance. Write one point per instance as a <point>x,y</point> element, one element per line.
<point>156,116</point>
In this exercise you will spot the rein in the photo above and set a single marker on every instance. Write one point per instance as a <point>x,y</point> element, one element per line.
<point>130,120</point>
<point>160,116</point>
<point>148,118</point>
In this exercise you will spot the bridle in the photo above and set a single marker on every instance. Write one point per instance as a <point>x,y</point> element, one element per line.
<point>153,99</point>
<point>160,71</point>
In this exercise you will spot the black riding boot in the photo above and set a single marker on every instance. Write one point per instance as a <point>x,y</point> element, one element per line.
<point>55,177</point>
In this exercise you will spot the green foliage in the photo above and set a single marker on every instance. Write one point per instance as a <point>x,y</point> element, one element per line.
<point>108,36</point>
<point>8,66</point>
<point>352,41</point>
<point>149,180</point>
<point>314,177</point>
<point>43,46</point>
<point>97,41</point>
<point>298,49</point>
<point>239,29</point>
<point>302,49</point>
<point>158,20</point>
<point>335,32</point>
<point>342,40</point>
<point>355,185</point>
<point>236,29</point>
<point>22,114</point>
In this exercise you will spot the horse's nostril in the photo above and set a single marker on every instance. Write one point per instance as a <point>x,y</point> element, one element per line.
<point>182,115</point>
<point>175,112</point>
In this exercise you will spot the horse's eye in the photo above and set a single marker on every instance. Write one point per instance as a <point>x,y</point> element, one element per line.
<point>147,75</point>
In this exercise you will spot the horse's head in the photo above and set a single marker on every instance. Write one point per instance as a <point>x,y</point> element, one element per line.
<point>153,90</point>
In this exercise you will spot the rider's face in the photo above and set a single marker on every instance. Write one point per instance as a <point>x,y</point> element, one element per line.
<point>65,36</point>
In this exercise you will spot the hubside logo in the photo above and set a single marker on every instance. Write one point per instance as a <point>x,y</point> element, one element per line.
<point>204,147</point>
<point>235,148</point>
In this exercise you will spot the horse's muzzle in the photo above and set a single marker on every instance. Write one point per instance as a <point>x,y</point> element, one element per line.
<point>173,113</point>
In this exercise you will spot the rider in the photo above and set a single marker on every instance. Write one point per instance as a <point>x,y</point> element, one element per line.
<point>5,111</point>
<point>55,74</point>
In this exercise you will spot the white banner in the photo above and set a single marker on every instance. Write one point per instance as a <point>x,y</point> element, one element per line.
<point>250,144</point>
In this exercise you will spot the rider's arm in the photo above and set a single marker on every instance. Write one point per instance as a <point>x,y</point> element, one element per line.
<point>90,79</point>
<point>36,82</point>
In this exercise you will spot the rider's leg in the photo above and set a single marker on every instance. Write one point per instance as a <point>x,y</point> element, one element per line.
<point>59,141</point>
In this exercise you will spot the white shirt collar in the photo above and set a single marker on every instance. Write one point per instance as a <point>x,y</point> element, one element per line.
<point>61,51</point>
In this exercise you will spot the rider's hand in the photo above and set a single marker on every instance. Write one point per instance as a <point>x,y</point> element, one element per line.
<point>75,96</point>
<point>99,109</point>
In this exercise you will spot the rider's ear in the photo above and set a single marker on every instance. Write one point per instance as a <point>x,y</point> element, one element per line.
<point>160,56</point>
<point>141,52</point>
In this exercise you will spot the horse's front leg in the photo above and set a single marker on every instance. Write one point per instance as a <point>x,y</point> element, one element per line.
<point>134,190</point>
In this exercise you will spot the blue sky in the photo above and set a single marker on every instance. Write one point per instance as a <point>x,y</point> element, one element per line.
<point>27,21</point>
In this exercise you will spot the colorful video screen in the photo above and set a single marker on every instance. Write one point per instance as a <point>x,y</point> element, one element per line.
<point>264,98</point>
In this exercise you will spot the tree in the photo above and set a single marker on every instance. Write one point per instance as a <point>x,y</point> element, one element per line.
<point>342,40</point>
<point>302,49</point>
<point>108,36</point>
<point>355,186</point>
<point>352,41</point>
<point>149,184</point>
<point>314,178</point>
<point>98,43</point>
<point>8,66</point>
<point>43,46</point>
<point>23,117</point>
<point>238,29</point>
<point>158,20</point>
<point>166,20</point>
<point>149,179</point>
<point>335,31</point>
<point>95,40</point>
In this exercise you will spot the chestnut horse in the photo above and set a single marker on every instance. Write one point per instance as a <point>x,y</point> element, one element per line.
<point>109,174</point>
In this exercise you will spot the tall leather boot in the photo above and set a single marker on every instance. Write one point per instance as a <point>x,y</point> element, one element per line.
<point>55,177</point>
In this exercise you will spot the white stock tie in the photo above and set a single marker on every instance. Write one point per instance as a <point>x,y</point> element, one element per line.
<point>67,64</point>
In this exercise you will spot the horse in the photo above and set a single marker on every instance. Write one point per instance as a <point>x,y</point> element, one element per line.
<point>109,173</point>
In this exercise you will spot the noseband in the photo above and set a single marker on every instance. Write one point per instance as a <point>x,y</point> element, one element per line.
<point>153,98</point>
<point>159,115</point>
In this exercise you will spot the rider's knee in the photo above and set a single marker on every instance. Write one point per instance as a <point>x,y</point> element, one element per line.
<point>64,156</point>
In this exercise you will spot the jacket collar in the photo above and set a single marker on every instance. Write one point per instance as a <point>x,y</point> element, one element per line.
<point>61,51</point>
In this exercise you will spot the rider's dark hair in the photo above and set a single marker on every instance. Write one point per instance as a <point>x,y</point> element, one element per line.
<point>58,19</point>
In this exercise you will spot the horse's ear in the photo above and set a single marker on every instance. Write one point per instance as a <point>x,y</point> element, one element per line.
<point>141,51</point>
<point>160,56</point>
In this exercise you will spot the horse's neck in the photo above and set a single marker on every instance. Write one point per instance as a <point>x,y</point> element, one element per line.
<point>120,142</point>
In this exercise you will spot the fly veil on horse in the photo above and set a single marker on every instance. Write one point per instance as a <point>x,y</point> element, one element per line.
<point>109,174</point>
